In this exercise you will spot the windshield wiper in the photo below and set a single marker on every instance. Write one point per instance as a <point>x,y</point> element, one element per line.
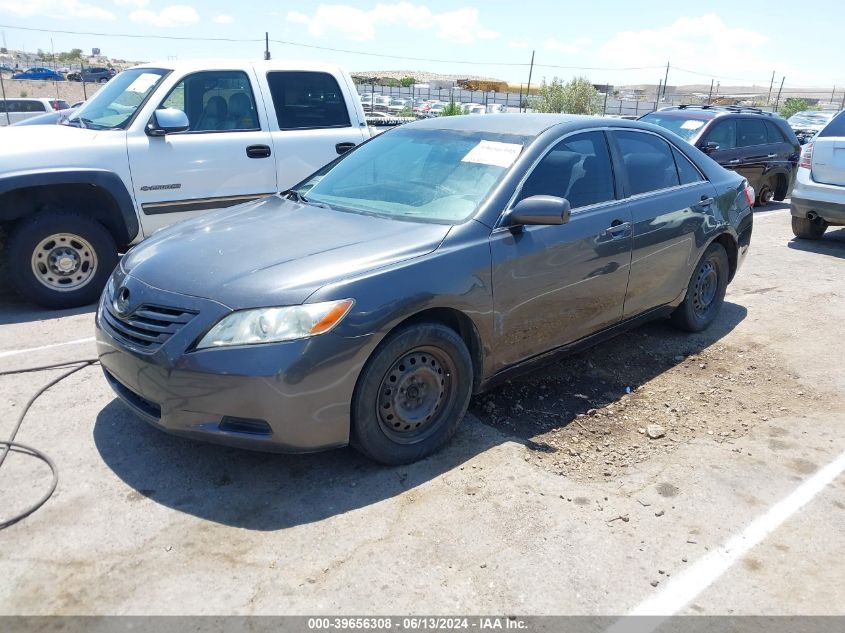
<point>293,194</point>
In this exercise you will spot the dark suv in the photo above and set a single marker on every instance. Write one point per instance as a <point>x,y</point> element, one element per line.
<point>93,75</point>
<point>758,145</point>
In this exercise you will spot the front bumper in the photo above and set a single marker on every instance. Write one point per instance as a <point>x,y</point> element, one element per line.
<point>283,397</point>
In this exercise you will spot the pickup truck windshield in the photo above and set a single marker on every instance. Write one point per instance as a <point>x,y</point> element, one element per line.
<point>417,174</point>
<point>114,106</point>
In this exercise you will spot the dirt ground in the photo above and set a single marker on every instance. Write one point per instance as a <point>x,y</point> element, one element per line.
<point>70,91</point>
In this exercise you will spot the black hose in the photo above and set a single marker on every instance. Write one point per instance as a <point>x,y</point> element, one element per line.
<point>10,445</point>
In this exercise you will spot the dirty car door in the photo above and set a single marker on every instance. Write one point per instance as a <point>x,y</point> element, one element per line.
<point>555,284</point>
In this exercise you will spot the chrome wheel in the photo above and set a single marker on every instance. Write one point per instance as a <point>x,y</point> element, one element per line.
<point>705,289</point>
<point>413,395</point>
<point>64,262</point>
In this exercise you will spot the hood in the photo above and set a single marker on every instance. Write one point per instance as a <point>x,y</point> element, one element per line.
<point>49,146</point>
<point>274,252</point>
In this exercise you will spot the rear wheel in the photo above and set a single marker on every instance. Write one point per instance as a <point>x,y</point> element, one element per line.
<point>808,229</point>
<point>60,259</point>
<point>411,394</point>
<point>706,291</point>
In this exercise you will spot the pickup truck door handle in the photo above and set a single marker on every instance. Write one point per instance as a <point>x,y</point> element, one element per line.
<point>342,148</point>
<point>258,151</point>
<point>735,161</point>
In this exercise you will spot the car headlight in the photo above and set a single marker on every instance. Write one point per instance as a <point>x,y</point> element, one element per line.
<point>273,325</point>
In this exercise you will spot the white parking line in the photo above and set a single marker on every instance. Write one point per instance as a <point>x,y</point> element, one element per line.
<point>17,352</point>
<point>687,585</point>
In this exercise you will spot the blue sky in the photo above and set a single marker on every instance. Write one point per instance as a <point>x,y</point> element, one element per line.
<point>615,42</point>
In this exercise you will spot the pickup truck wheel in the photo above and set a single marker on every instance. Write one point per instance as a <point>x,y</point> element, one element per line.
<point>60,259</point>
<point>808,229</point>
<point>706,291</point>
<point>411,394</point>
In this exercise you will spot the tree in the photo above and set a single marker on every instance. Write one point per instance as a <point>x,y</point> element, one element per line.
<point>793,105</point>
<point>75,54</point>
<point>453,109</point>
<point>574,97</point>
<point>407,82</point>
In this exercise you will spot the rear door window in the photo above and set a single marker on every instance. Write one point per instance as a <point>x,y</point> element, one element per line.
<point>751,132</point>
<point>578,169</point>
<point>307,100</point>
<point>648,161</point>
<point>687,172</point>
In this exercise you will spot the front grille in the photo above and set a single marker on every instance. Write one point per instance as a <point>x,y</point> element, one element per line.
<point>149,327</point>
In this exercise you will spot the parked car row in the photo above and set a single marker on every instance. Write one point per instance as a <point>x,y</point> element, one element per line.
<point>24,109</point>
<point>90,75</point>
<point>421,107</point>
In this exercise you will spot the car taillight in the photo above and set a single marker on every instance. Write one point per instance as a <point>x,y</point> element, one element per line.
<point>807,156</point>
<point>749,195</point>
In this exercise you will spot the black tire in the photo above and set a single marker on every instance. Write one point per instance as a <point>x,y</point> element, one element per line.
<point>93,252</point>
<point>782,188</point>
<point>706,291</point>
<point>103,80</point>
<point>807,229</point>
<point>391,427</point>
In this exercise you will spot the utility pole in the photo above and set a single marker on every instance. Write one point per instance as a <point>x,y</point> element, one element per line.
<point>657,97</point>
<point>665,80</point>
<point>771,85</point>
<point>710,96</point>
<point>718,83</point>
<point>842,107</point>
<point>266,46</point>
<point>3,90</point>
<point>832,95</point>
<point>606,90</point>
<point>777,102</point>
<point>528,89</point>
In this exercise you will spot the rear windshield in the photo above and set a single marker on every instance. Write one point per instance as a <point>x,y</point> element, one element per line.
<point>685,125</point>
<point>836,127</point>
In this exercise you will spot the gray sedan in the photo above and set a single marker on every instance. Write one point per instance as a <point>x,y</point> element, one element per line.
<point>366,305</point>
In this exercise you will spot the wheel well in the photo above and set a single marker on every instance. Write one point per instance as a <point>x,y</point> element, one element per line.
<point>730,246</point>
<point>91,200</point>
<point>463,325</point>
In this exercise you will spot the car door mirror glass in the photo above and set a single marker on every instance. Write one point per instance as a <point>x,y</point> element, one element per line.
<point>709,147</point>
<point>167,121</point>
<point>542,210</point>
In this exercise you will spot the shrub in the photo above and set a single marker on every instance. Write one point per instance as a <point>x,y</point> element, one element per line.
<point>574,97</point>
<point>407,82</point>
<point>793,105</point>
<point>453,109</point>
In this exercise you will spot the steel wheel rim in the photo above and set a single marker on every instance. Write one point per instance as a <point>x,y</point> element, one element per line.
<point>64,262</point>
<point>706,288</point>
<point>766,195</point>
<point>415,394</point>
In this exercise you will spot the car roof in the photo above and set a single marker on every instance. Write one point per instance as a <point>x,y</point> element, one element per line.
<point>193,65</point>
<point>527,124</point>
<point>711,112</point>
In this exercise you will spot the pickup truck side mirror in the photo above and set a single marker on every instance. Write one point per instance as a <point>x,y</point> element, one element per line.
<point>167,121</point>
<point>709,147</point>
<point>541,210</point>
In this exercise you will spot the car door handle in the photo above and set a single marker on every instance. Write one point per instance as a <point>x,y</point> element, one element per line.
<point>772,156</point>
<point>706,201</point>
<point>258,151</point>
<point>618,229</point>
<point>342,148</point>
<point>735,161</point>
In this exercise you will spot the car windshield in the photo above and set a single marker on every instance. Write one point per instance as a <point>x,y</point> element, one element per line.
<point>418,174</point>
<point>685,126</point>
<point>811,118</point>
<point>114,106</point>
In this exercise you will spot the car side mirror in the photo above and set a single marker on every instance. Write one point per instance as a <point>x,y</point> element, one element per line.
<point>709,147</point>
<point>541,210</point>
<point>167,121</point>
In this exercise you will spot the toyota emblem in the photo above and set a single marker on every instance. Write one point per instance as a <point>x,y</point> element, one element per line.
<point>121,301</point>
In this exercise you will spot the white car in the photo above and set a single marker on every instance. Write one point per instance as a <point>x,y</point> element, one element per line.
<point>818,198</point>
<point>158,144</point>
<point>15,110</point>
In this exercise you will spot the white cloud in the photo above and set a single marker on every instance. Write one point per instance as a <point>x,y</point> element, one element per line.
<point>703,43</point>
<point>55,9</point>
<point>519,44</point>
<point>570,47</point>
<point>461,25</point>
<point>224,19</point>
<point>174,15</point>
<point>132,3</point>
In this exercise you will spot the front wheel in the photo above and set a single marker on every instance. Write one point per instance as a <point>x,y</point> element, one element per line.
<point>411,394</point>
<point>808,229</point>
<point>60,259</point>
<point>706,291</point>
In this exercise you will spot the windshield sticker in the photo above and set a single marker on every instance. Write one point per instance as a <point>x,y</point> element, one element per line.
<point>144,82</point>
<point>493,153</point>
<point>692,125</point>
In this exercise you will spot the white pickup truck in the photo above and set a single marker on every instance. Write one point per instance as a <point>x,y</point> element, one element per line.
<point>156,145</point>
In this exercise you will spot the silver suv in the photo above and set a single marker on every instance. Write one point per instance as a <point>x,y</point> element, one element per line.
<point>818,199</point>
